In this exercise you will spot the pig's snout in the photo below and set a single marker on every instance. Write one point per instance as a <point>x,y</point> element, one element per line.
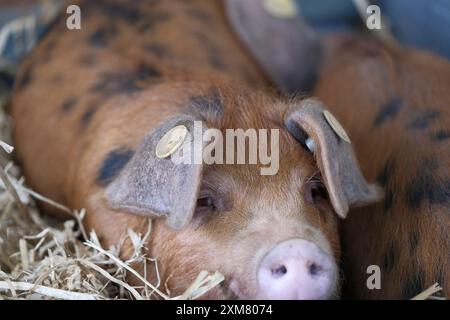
<point>297,269</point>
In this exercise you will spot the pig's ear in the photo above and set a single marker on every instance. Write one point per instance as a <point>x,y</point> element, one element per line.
<point>287,48</point>
<point>313,126</point>
<point>152,184</point>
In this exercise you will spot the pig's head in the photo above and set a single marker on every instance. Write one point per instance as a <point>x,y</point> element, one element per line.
<point>272,236</point>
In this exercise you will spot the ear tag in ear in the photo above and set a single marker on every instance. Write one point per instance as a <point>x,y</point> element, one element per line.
<point>310,145</point>
<point>336,126</point>
<point>283,9</point>
<point>171,141</point>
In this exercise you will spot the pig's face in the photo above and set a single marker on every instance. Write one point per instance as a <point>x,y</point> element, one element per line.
<point>272,236</point>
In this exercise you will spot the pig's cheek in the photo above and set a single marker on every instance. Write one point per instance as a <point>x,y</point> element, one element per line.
<point>240,265</point>
<point>322,229</point>
<point>183,247</point>
<point>183,254</point>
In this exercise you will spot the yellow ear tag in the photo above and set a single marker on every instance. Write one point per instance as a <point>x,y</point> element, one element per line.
<point>171,141</point>
<point>282,9</point>
<point>336,126</point>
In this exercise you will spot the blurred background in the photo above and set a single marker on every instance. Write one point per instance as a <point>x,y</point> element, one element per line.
<point>22,24</point>
<point>422,24</point>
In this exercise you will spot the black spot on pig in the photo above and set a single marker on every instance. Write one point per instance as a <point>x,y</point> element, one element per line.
<point>126,12</point>
<point>441,195</point>
<point>152,20</point>
<point>68,104</point>
<point>103,36</point>
<point>414,284</point>
<point>385,178</point>
<point>146,72</point>
<point>420,188</point>
<point>87,116</point>
<point>114,162</point>
<point>423,120</point>
<point>390,258</point>
<point>115,11</point>
<point>213,52</point>
<point>413,240</point>
<point>386,173</point>
<point>159,50</point>
<point>210,105</point>
<point>425,187</point>
<point>388,112</point>
<point>126,82</point>
<point>441,135</point>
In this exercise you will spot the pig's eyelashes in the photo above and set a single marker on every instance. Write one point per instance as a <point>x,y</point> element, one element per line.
<point>205,208</point>
<point>206,202</point>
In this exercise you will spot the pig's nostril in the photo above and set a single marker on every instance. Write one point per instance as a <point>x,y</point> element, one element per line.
<point>279,271</point>
<point>314,269</point>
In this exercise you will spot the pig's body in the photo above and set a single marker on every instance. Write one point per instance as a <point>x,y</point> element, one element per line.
<point>122,49</point>
<point>90,105</point>
<point>396,105</point>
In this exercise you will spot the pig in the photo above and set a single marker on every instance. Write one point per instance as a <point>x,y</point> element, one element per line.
<point>394,103</point>
<point>91,106</point>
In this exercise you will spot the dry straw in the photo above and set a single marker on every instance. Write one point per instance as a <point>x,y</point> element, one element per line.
<point>43,259</point>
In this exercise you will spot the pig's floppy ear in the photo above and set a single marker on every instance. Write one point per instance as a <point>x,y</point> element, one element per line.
<point>334,155</point>
<point>286,47</point>
<point>156,186</point>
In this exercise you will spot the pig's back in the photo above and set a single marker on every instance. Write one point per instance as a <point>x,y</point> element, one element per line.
<point>396,106</point>
<point>77,79</point>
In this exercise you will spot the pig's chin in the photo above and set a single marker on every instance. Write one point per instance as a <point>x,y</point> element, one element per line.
<point>232,290</point>
<point>227,291</point>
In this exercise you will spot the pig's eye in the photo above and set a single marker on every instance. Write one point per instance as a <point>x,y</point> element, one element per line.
<point>206,203</point>
<point>315,192</point>
<point>205,209</point>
